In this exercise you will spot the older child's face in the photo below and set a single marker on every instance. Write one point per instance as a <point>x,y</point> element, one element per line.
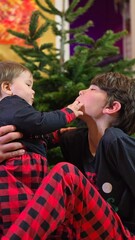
<point>94,100</point>
<point>22,87</point>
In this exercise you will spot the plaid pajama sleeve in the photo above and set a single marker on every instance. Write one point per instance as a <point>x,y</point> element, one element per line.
<point>66,198</point>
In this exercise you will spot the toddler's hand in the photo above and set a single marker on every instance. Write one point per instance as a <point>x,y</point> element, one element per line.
<point>76,108</point>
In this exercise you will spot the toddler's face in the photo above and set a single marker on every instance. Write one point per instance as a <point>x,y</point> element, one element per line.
<point>22,87</point>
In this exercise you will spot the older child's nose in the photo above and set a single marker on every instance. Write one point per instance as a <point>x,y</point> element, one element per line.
<point>82,92</point>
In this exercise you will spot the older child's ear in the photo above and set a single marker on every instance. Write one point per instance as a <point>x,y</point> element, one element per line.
<point>116,106</point>
<point>6,88</point>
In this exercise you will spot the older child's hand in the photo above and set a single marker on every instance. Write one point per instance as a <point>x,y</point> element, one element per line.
<point>62,130</point>
<point>76,108</point>
<point>8,148</point>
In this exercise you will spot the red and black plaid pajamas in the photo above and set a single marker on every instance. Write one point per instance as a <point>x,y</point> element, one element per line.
<point>66,198</point>
<point>19,179</point>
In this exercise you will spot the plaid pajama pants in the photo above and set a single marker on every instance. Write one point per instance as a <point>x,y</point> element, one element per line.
<point>67,203</point>
<point>20,177</point>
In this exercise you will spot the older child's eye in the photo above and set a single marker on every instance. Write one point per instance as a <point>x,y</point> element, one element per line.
<point>92,89</point>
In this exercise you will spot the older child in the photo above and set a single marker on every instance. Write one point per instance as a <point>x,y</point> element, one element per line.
<point>103,206</point>
<point>20,177</point>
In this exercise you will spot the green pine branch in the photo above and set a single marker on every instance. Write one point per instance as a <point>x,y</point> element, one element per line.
<point>57,78</point>
<point>72,15</point>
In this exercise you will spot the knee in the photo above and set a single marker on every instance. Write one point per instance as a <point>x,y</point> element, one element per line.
<point>64,166</point>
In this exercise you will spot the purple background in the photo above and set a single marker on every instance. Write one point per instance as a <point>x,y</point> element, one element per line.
<point>104,16</point>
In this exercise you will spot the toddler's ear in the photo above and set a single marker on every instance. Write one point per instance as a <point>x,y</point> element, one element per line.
<point>113,109</point>
<point>6,88</point>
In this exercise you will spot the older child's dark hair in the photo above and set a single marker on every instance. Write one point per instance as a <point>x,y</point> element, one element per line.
<point>120,88</point>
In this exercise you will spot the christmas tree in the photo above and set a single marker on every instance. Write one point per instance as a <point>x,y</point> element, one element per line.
<point>58,81</point>
<point>57,78</point>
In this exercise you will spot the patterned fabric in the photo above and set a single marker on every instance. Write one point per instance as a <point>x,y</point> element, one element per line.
<point>66,198</point>
<point>19,179</point>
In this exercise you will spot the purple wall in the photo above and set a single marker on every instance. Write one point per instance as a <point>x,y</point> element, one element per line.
<point>104,17</point>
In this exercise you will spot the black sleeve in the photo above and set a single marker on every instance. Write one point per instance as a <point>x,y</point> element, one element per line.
<point>120,151</point>
<point>18,112</point>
